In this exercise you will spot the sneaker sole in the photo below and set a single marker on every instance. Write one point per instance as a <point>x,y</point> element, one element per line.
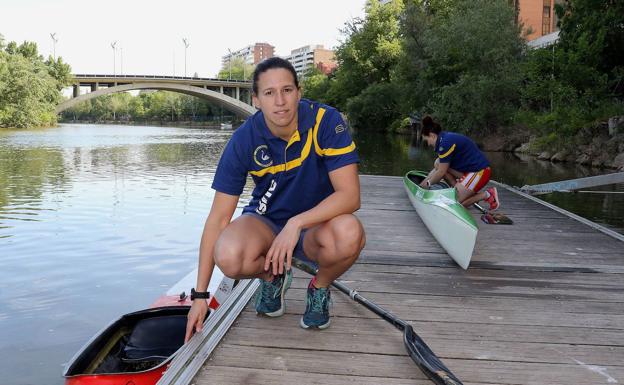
<point>282,309</point>
<point>321,327</point>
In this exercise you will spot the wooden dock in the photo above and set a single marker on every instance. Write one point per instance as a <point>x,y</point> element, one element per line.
<point>542,303</point>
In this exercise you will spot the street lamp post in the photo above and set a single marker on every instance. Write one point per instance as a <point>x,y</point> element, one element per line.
<point>54,41</point>
<point>230,64</point>
<point>186,45</point>
<point>114,47</point>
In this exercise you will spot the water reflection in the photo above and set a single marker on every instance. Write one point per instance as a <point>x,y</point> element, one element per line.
<point>95,221</point>
<point>25,175</point>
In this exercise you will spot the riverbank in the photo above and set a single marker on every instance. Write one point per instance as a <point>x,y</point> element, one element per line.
<point>600,146</point>
<point>159,123</point>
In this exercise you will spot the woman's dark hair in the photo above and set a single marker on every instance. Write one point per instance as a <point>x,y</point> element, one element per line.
<point>429,126</point>
<point>271,63</point>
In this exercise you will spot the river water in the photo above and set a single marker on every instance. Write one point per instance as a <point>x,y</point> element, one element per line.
<point>99,220</point>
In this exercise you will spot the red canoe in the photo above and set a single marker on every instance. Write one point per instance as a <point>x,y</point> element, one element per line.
<point>138,347</point>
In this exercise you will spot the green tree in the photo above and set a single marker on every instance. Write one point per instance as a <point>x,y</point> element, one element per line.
<point>315,85</point>
<point>29,87</point>
<point>468,58</point>
<point>238,68</point>
<point>384,97</point>
<point>369,53</point>
<point>592,36</point>
<point>28,94</point>
<point>60,71</point>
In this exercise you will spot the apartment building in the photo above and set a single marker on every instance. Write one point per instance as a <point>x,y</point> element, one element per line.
<point>252,54</point>
<point>537,16</point>
<point>312,56</point>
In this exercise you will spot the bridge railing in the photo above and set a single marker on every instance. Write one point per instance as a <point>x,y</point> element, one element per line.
<point>159,77</point>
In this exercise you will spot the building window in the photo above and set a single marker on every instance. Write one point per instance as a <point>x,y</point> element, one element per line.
<point>546,21</point>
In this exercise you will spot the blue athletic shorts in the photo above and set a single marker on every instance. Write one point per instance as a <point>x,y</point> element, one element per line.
<point>298,252</point>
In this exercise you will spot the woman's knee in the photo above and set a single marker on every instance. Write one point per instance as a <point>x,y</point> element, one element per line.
<point>349,237</point>
<point>228,257</point>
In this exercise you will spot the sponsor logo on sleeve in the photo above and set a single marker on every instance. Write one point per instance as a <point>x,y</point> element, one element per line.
<point>340,128</point>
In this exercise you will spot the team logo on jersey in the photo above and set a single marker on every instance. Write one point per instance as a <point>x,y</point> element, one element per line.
<point>339,128</point>
<point>262,156</point>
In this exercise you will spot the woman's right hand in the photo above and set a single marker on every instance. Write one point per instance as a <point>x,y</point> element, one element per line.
<point>196,317</point>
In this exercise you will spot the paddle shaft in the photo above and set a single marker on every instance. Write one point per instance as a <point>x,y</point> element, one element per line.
<point>478,206</point>
<point>417,349</point>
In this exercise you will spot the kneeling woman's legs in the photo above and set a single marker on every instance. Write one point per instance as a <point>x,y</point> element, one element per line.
<point>241,247</point>
<point>334,245</point>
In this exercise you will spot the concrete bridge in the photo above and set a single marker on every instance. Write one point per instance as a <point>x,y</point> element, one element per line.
<point>233,95</point>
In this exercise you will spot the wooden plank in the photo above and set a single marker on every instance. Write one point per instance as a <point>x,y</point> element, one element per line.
<point>260,376</point>
<point>356,342</point>
<point>483,370</point>
<point>455,330</point>
<point>540,304</point>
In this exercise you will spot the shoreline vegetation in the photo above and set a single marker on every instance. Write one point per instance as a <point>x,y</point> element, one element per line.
<point>465,62</point>
<point>30,86</point>
<point>157,123</point>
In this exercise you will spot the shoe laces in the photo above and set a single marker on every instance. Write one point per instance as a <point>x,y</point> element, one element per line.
<point>319,301</point>
<point>271,290</point>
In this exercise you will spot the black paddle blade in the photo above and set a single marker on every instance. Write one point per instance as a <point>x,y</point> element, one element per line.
<point>426,359</point>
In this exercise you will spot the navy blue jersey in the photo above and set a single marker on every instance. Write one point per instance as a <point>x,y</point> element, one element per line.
<point>460,152</point>
<point>290,177</point>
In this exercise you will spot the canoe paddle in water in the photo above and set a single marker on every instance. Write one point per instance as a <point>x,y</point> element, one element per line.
<point>492,218</point>
<point>417,349</point>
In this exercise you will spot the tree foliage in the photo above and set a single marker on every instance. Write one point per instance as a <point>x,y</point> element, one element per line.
<point>580,79</point>
<point>468,59</point>
<point>160,106</point>
<point>466,62</point>
<point>29,86</point>
<point>237,69</point>
<point>592,37</point>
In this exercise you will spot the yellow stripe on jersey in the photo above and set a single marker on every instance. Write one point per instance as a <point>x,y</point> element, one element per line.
<point>293,139</point>
<point>339,151</point>
<point>328,151</point>
<point>305,152</point>
<point>319,117</point>
<point>447,153</point>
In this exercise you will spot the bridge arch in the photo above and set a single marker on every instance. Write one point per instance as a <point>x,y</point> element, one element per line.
<point>241,109</point>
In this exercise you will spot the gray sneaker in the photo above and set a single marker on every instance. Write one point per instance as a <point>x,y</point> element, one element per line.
<point>270,298</point>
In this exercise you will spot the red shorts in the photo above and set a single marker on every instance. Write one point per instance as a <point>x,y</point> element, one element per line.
<point>475,181</point>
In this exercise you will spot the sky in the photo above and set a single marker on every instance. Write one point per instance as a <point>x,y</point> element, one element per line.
<point>149,33</point>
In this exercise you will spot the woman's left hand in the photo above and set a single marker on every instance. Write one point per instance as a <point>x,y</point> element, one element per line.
<point>281,250</point>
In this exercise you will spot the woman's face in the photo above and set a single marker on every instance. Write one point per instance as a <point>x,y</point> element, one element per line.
<point>278,98</point>
<point>430,139</point>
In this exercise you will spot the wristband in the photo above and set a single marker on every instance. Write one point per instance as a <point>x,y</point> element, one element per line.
<point>199,294</point>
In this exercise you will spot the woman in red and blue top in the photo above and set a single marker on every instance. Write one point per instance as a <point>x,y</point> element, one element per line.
<point>460,163</point>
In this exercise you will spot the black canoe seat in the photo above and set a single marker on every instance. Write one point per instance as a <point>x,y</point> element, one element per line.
<point>155,338</point>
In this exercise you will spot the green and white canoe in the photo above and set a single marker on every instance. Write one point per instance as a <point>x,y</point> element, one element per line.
<point>449,222</point>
